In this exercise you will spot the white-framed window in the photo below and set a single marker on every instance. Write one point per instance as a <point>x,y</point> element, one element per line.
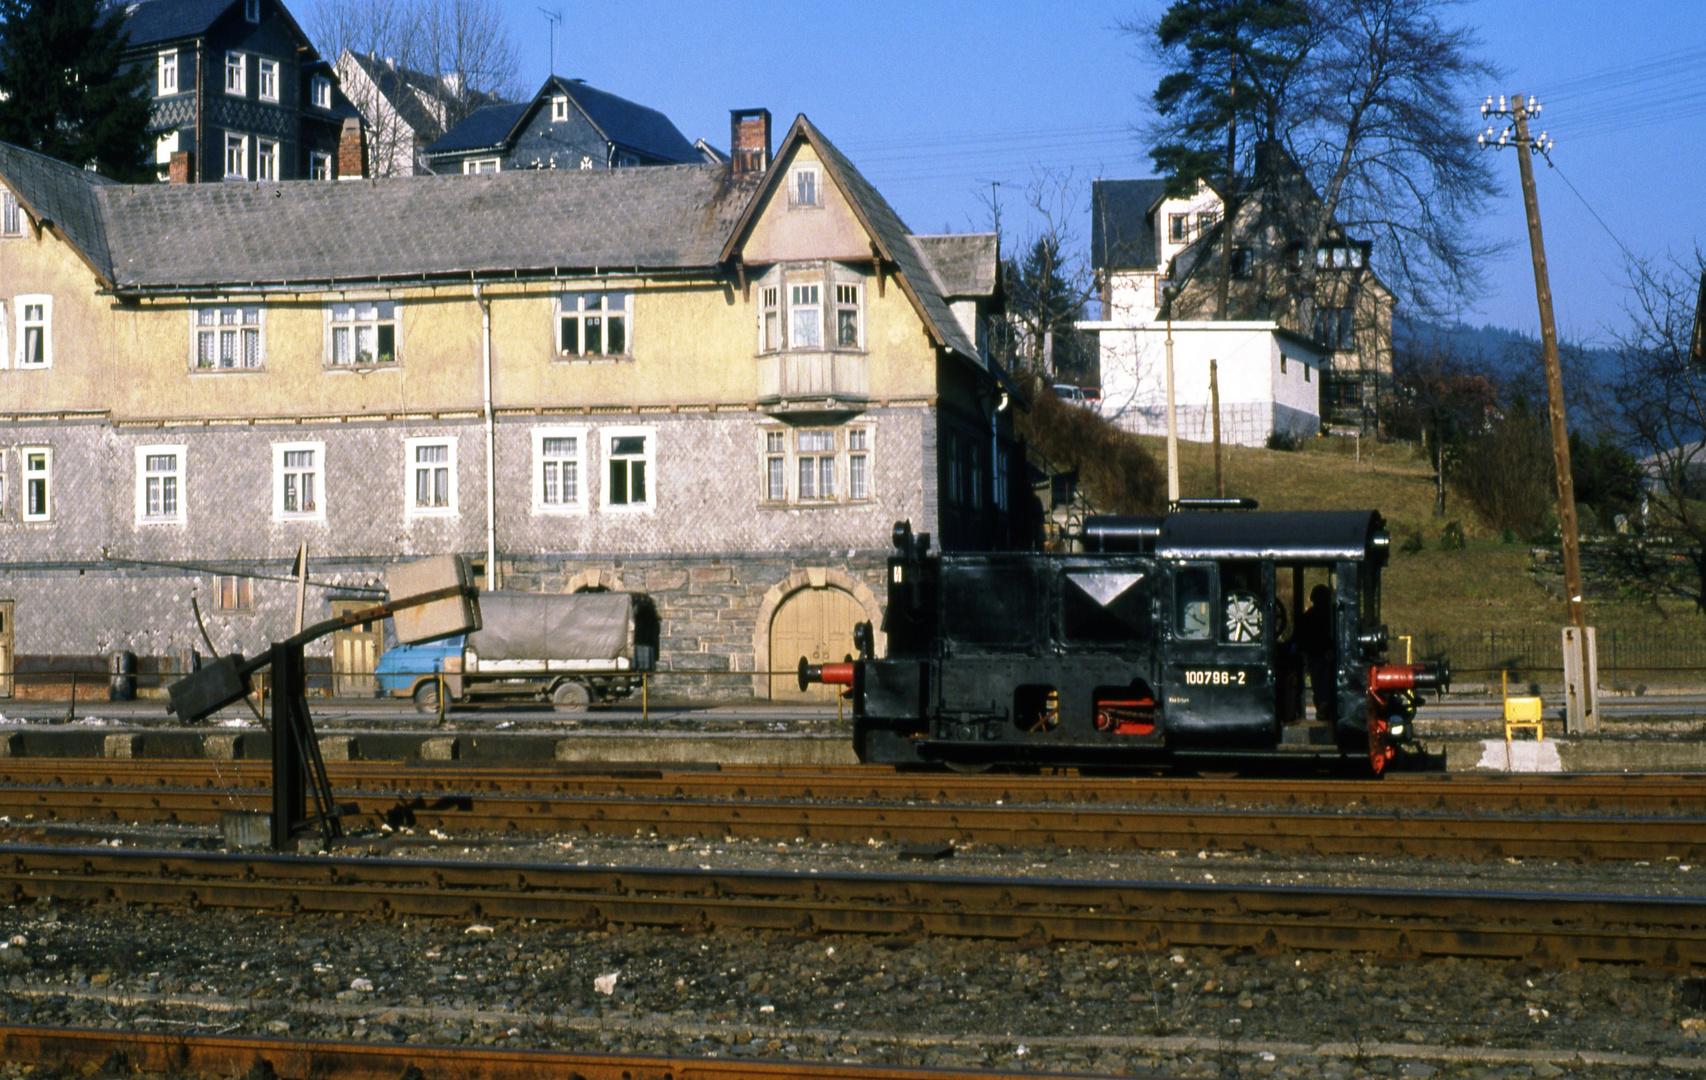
<point>234,592</point>
<point>266,80</point>
<point>805,315</point>
<point>236,156</point>
<point>776,466</point>
<point>1178,228</point>
<point>266,160</point>
<point>322,92</point>
<point>629,479</point>
<point>815,464</point>
<point>236,73</point>
<point>847,321</point>
<point>770,318</point>
<point>164,147</point>
<point>559,470</point>
<point>252,10</point>
<point>594,324</point>
<point>471,166</point>
<point>363,333</point>
<point>11,215</point>
<point>804,184</point>
<point>35,331</point>
<point>166,81</point>
<point>160,485</point>
<point>430,473</point>
<point>319,166</point>
<point>299,481</point>
<point>228,338</point>
<point>38,482</point>
<point>559,109</point>
<point>858,464</point>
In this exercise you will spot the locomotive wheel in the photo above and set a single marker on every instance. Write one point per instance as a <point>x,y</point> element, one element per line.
<point>1380,748</point>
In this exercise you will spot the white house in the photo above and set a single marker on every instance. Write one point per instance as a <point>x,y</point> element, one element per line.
<point>1270,378</point>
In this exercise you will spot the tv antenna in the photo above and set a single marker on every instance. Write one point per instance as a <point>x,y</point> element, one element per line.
<point>553,17</point>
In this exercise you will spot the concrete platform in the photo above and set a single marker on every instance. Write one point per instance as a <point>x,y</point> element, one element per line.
<point>825,746</point>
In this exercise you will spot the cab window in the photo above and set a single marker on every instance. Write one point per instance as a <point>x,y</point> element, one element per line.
<point>1241,606</point>
<point>1193,603</point>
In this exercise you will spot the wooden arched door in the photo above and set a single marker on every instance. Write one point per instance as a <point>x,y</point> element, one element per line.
<point>818,625</point>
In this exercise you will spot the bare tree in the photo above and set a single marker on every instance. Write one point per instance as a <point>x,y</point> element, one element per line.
<point>1048,284</point>
<point>1379,121</point>
<point>440,60</point>
<point>1657,401</point>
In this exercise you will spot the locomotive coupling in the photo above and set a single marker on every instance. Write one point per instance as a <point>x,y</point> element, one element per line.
<point>1430,676</point>
<point>836,674</point>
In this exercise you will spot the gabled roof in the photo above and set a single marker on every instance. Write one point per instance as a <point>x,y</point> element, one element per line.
<point>623,123</point>
<point>184,236</point>
<point>487,128</point>
<point>151,22</point>
<point>1122,225</point>
<point>404,89</point>
<point>966,264</point>
<point>890,239</point>
<point>61,195</point>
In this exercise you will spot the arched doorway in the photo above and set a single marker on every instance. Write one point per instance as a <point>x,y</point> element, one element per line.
<point>818,625</point>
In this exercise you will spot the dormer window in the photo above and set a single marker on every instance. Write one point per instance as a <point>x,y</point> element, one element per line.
<point>803,187</point>
<point>252,10</point>
<point>559,109</point>
<point>1339,257</point>
<point>322,92</point>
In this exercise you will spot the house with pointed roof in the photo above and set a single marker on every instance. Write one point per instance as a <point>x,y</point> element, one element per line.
<point>566,125</point>
<point>1290,362</point>
<point>405,110</point>
<point>238,90</point>
<point>719,384</point>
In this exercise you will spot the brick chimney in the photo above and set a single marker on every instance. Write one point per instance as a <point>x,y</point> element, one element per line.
<point>181,170</point>
<point>352,151</point>
<point>749,140</point>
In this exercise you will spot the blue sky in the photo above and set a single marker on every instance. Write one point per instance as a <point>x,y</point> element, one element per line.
<point>934,101</point>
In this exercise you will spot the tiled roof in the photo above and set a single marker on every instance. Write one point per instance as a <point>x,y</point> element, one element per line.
<point>1122,234</point>
<point>62,194</point>
<point>151,21</point>
<point>629,125</point>
<point>206,235</point>
<point>484,129</point>
<point>965,263</point>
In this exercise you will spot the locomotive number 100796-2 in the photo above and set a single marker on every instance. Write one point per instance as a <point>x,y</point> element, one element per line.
<point>1216,677</point>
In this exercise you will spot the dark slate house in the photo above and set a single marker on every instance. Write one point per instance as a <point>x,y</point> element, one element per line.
<point>239,88</point>
<point>567,125</point>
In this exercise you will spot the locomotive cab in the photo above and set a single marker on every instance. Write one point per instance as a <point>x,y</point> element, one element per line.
<point>1181,633</point>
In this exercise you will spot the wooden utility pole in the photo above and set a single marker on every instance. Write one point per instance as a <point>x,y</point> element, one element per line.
<point>1520,110</point>
<point>1214,404</point>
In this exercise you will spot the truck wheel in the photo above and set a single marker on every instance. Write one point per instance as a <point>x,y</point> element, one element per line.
<point>426,697</point>
<point>570,697</point>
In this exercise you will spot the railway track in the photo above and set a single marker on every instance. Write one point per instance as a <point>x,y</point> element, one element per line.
<point>1287,832</point>
<point>1555,928</point>
<point>84,1049</point>
<point>1656,793</point>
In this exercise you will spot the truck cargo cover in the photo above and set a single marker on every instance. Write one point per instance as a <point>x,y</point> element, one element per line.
<point>554,626</point>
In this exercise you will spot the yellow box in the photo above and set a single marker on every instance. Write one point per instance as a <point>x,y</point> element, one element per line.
<point>1520,709</point>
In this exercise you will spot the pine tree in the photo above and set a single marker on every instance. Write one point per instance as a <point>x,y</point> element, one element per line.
<point>66,93</point>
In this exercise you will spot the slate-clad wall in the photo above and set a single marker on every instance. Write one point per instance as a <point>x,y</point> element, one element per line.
<point>562,144</point>
<point>709,551</point>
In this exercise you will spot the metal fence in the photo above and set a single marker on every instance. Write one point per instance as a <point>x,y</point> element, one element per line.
<point>1636,653</point>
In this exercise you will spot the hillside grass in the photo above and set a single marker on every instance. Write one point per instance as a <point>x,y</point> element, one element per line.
<point>1485,586</point>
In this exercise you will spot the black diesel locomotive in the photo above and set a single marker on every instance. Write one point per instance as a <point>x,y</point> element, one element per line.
<point>1166,634</point>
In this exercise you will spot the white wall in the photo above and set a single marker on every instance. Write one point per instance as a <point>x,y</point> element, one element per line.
<point>1256,398</point>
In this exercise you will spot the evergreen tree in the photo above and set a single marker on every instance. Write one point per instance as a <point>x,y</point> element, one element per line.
<point>65,91</point>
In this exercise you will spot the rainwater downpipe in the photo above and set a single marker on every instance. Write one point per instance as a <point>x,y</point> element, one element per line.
<point>491,439</point>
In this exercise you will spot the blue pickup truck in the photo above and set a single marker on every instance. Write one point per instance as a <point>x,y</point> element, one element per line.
<point>569,649</point>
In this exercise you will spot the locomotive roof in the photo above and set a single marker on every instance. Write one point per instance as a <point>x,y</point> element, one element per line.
<point>1291,535</point>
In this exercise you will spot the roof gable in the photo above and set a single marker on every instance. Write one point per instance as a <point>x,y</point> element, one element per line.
<point>629,125</point>
<point>154,22</point>
<point>1122,224</point>
<point>889,237</point>
<point>63,196</point>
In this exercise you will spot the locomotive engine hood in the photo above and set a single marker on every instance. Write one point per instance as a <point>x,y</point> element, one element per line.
<point>1318,536</point>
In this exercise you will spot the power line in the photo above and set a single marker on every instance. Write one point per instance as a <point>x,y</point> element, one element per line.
<point>1620,245</point>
